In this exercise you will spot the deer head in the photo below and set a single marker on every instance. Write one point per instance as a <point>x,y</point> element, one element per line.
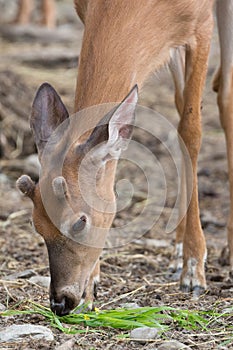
<point>74,228</point>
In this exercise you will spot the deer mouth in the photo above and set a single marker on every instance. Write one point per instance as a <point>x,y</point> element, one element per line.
<point>63,307</point>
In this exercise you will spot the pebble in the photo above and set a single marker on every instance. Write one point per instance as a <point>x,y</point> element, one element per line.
<point>173,345</point>
<point>228,310</point>
<point>68,345</point>
<point>16,333</point>
<point>129,306</point>
<point>22,274</point>
<point>2,307</point>
<point>43,281</point>
<point>142,334</point>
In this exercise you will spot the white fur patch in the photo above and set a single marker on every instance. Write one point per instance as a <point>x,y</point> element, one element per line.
<point>82,301</point>
<point>179,256</point>
<point>96,279</point>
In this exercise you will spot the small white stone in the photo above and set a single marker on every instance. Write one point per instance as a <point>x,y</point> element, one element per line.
<point>43,281</point>
<point>144,333</point>
<point>130,306</point>
<point>68,345</point>
<point>173,345</point>
<point>20,274</point>
<point>16,333</point>
<point>2,307</point>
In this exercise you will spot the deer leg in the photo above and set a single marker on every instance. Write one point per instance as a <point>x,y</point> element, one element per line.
<point>91,289</point>
<point>194,247</point>
<point>176,67</point>
<point>24,12</point>
<point>223,84</point>
<point>49,13</point>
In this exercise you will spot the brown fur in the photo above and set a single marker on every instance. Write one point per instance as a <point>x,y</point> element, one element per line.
<point>139,35</point>
<point>225,103</point>
<point>124,41</point>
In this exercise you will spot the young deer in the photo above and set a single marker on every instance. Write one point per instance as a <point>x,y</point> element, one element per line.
<point>123,42</point>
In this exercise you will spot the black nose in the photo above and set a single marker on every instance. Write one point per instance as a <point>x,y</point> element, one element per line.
<point>59,308</point>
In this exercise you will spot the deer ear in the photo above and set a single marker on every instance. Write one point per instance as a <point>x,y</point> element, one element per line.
<point>48,112</point>
<point>115,130</point>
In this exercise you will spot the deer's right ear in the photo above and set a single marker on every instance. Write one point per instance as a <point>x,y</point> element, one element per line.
<point>48,112</point>
<point>113,133</point>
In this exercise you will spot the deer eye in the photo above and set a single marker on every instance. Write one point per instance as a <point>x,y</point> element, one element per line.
<point>79,224</point>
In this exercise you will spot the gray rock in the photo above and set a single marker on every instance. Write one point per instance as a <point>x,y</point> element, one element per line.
<point>20,332</point>
<point>143,334</point>
<point>2,307</point>
<point>228,310</point>
<point>129,306</point>
<point>21,274</point>
<point>43,281</point>
<point>68,345</point>
<point>173,345</point>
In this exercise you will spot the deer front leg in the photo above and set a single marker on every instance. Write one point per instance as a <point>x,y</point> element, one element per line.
<point>181,227</point>
<point>194,247</point>
<point>225,104</point>
<point>49,13</point>
<point>176,67</point>
<point>24,11</point>
<point>91,290</point>
<point>223,84</point>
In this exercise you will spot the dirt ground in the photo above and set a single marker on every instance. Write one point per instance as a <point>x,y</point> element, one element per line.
<point>30,56</point>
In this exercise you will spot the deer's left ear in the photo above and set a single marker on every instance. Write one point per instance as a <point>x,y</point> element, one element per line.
<point>118,131</point>
<point>48,112</point>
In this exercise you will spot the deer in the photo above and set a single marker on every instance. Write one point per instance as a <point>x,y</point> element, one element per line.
<point>47,8</point>
<point>123,42</point>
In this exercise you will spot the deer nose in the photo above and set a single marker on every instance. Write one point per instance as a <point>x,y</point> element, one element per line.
<point>60,308</point>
